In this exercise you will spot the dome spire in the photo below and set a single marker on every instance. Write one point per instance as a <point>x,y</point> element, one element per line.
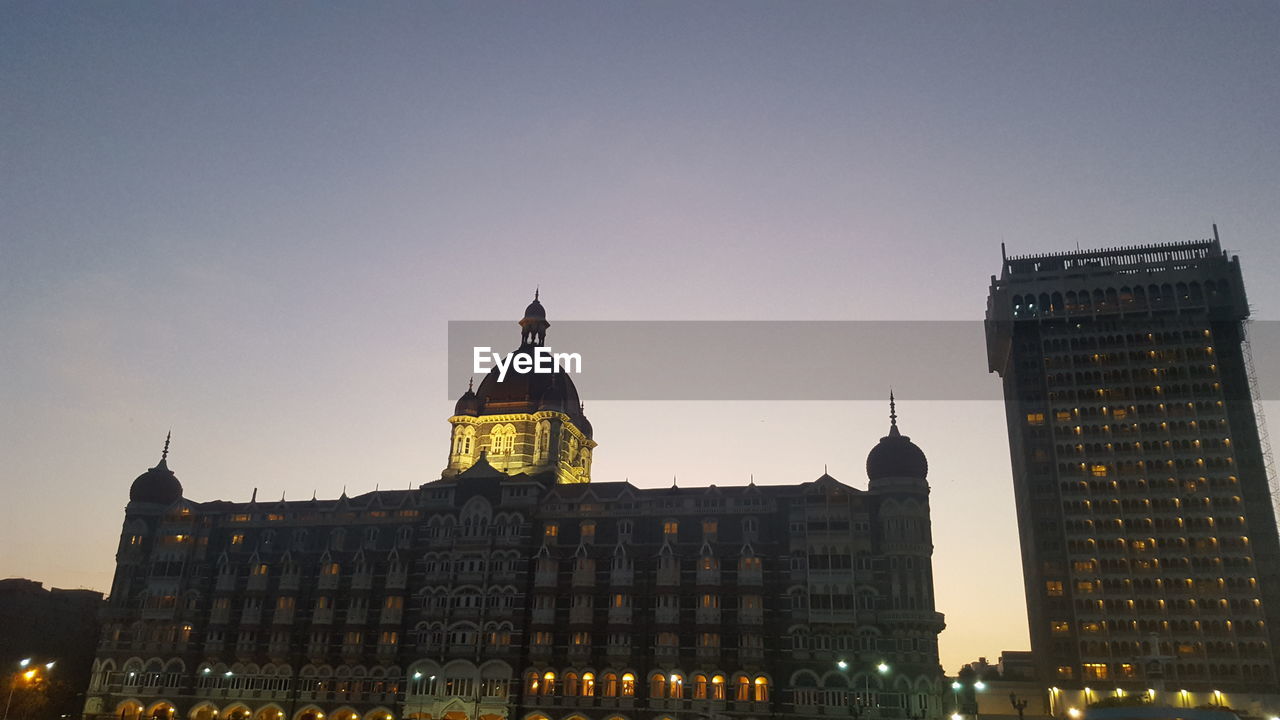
<point>893,416</point>
<point>164,454</point>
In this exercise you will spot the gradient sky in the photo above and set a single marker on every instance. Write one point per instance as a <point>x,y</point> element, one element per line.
<point>251,222</point>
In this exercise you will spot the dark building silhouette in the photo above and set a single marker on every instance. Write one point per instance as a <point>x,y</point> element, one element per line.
<point>53,625</point>
<point>1148,536</point>
<point>514,588</point>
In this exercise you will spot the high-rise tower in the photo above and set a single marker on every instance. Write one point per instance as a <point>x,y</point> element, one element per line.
<point>1149,546</point>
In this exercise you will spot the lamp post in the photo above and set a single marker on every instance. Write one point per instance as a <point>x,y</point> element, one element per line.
<point>1018,704</point>
<point>23,673</point>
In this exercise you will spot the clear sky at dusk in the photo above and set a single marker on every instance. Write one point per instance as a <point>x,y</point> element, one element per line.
<point>251,223</point>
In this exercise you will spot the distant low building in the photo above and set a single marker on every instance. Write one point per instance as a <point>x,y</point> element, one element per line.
<point>53,625</point>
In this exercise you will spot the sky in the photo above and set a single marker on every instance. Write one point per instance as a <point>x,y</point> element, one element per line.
<point>250,223</point>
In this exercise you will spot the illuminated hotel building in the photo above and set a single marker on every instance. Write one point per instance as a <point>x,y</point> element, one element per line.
<point>513,587</point>
<point>1149,546</point>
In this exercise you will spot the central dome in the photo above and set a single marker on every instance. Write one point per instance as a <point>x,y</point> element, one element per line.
<point>526,392</point>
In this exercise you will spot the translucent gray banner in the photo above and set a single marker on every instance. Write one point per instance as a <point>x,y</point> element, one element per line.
<point>795,360</point>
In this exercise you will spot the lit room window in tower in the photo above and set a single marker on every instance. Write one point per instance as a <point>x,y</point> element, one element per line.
<point>502,440</point>
<point>670,528</point>
<point>1099,470</point>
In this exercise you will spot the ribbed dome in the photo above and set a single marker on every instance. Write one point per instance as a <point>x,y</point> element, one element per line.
<point>158,485</point>
<point>525,392</point>
<point>895,456</point>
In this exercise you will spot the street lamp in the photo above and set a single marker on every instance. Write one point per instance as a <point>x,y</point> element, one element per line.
<point>1018,704</point>
<point>24,674</point>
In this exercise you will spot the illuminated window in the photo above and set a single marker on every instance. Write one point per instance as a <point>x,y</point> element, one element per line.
<point>548,683</point>
<point>588,530</point>
<point>1065,671</point>
<point>1053,588</point>
<point>761,689</point>
<point>717,687</point>
<point>709,600</point>
<point>285,602</point>
<point>628,685</point>
<point>670,528</point>
<point>237,539</point>
<point>1094,671</point>
<point>1085,587</point>
<point>1059,627</point>
<point>588,685</point>
<point>699,687</point>
<point>709,528</point>
<point>502,440</point>
<point>331,569</point>
<point>551,530</point>
<point>1035,418</point>
<point>239,518</point>
<point>260,569</point>
<point>1063,416</point>
<point>1099,470</point>
<point>1127,670</point>
<point>658,686</point>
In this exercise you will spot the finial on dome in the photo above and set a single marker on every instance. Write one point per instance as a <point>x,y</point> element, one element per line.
<point>164,454</point>
<point>470,382</point>
<point>536,289</point>
<point>893,410</point>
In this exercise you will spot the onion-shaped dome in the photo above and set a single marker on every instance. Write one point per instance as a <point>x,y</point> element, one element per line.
<point>895,456</point>
<point>467,404</point>
<point>158,485</point>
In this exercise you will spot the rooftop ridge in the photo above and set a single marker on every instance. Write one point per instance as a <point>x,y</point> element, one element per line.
<point>1207,244</point>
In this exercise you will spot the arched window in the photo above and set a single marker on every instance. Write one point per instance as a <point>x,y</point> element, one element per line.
<point>676,685</point>
<point>502,440</point>
<point>743,693</point>
<point>570,684</point>
<point>658,686</point>
<point>717,687</point>
<point>700,687</point>
<point>541,442</point>
<point>628,685</point>
<point>610,685</point>
<point>549,683</point>
<point>762,689</point>
<point>588,686</point>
